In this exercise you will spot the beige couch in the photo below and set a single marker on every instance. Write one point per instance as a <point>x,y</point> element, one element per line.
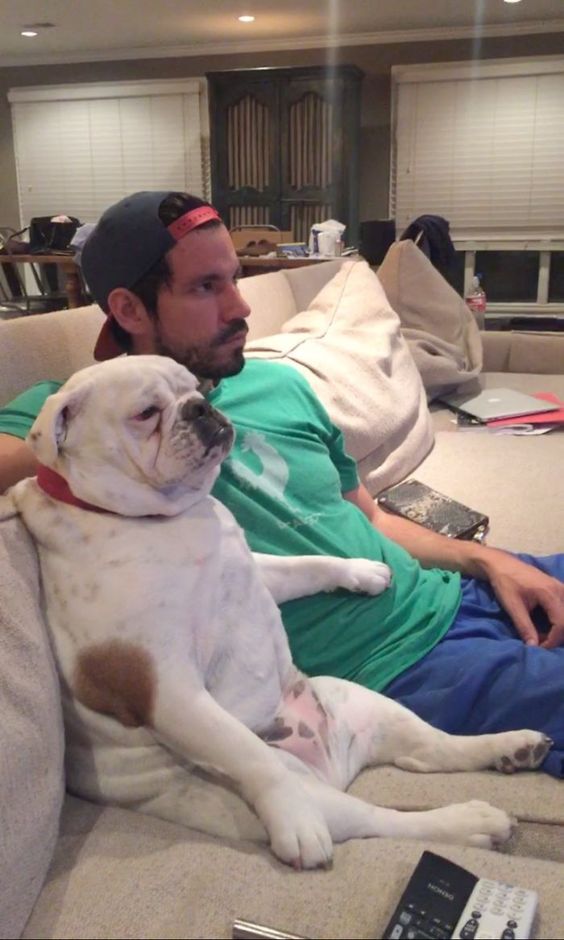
<point>72,869</point>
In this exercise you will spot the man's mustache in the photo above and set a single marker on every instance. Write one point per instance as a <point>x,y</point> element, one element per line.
<point>234,328</point>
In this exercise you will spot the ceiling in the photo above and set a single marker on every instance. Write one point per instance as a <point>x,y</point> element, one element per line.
<point>95,30</point>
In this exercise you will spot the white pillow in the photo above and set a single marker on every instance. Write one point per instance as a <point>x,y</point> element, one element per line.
<point>348,344</point>
<point>441,331</point>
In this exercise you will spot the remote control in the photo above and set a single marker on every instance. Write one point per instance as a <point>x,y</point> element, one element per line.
<point>433,900</point>
<point>499,910</point>
<point>443,900</point>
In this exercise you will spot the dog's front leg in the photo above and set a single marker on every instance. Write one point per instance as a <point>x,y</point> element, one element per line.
<point>192,724</point>
<point>288,577</point>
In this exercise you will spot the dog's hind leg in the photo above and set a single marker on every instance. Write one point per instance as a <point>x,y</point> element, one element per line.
<point>370,729</point>
<point>347,817</point>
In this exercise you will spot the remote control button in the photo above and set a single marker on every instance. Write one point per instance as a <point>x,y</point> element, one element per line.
<point>396,932</point>
<point>477,914</point>
<point>469,930</point>
<point>508,934</point>
<point>439,933</point>
<point>405,917</point>
<point>512,923</point>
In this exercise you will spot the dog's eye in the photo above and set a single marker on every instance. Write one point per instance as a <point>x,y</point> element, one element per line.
<point>147,413</point>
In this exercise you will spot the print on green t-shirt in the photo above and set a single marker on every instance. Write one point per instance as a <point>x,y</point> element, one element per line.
<point>287,495</point>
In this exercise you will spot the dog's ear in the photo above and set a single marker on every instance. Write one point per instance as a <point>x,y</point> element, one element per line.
<point>49,429</point>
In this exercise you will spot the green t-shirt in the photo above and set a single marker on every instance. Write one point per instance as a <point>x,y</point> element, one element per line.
<point>284,482</point>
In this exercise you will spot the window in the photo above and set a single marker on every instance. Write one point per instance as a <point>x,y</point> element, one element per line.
<point>80,148</point>
<point>481,144</point>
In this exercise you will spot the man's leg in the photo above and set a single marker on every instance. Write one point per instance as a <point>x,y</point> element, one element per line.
<point>481,677</point>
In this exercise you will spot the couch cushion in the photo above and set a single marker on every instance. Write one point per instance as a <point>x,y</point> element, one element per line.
<point>516,480</point>
<point>349,346</point>
<point>119,874</point>
<point>441,331</point>
<point>31,733</point>
<point>55,346</point>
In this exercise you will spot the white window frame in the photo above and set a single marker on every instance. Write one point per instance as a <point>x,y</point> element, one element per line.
<point>118,90</point>
<point>546,241</point>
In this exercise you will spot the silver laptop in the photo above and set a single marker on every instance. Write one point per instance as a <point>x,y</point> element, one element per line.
<point>494,403</point>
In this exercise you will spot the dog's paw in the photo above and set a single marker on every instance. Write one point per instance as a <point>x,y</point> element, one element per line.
<point>298,832</point>
<point>474,823</point>
<point>367,577</point>
<point>521,750</point>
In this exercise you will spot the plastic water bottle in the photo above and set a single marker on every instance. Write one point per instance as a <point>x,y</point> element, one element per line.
<point>476,300</point>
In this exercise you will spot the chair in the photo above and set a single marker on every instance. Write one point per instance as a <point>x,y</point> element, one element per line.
<point>14,292</point>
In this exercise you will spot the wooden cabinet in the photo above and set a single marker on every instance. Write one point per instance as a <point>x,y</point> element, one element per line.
<point>284,147</point>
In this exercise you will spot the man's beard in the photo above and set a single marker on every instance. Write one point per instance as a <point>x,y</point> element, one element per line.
<point>202,361</point>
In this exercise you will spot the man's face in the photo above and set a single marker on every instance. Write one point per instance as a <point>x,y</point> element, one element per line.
<point>201,315</point>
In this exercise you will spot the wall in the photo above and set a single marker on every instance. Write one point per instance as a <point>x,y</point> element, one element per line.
<point>376,62</point>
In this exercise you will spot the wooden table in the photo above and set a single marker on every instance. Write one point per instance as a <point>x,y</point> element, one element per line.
<point>73,280</point>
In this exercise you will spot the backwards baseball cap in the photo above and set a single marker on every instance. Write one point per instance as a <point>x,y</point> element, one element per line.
<point>125,244</point>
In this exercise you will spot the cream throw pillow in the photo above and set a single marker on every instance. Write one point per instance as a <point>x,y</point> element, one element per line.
<point>348,344</point>
<point>441,331</point>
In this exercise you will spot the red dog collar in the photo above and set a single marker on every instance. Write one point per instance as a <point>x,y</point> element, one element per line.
<point>57,487</point>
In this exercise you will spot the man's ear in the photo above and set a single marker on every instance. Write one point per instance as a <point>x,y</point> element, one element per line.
<point>49,430</point>
<point>128,310</point>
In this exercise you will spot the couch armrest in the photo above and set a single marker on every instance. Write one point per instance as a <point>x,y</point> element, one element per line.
<point>542,353</point>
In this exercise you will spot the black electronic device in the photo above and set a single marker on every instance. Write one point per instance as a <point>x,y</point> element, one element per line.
<point>444,900</point>
<point>420,503</point>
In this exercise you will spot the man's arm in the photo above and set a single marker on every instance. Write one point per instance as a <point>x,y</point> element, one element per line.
<point>16,420</point>
<point>519,587</point>
<point>16,461</point>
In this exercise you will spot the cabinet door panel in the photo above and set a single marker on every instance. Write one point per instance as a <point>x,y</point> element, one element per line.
<point>284,144</point>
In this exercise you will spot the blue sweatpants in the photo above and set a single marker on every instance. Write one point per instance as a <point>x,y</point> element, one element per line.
<point>482,678</point>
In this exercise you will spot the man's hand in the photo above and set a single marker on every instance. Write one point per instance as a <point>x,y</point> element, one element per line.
<point>520,588</point>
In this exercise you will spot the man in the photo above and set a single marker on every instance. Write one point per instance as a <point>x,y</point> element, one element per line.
<point>479,654</point>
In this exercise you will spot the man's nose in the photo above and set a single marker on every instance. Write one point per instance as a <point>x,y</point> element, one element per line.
<point>234,306</point>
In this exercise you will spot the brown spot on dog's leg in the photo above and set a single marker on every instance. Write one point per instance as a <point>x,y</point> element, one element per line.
<point>117,679</point>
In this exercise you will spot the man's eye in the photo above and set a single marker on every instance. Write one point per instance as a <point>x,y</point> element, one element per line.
<point>147,413</point>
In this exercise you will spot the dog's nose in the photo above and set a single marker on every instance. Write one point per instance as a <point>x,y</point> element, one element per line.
<point>212,428</point>
<point>192,410</point>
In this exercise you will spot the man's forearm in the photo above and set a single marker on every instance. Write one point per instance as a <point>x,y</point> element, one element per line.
<point>16,461</point>
<point>518,586</point>
<point>431,549</point>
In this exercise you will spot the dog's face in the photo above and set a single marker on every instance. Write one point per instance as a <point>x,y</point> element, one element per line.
<point>132,433</point>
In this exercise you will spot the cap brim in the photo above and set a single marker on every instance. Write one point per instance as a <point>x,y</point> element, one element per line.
<point>107,347</point>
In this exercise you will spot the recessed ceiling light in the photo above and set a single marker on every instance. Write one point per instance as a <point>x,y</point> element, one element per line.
<point>512,1</point>
<point>28,32</point>
<point>246,19</point>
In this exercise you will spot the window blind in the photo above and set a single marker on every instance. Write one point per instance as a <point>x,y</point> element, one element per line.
<point>481,145</point>
<point>79,148</point>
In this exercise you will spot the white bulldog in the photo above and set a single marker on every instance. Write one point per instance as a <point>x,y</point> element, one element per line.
<point>180,695</point>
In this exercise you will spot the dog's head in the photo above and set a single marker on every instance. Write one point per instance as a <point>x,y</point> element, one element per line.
<point>133,435</point>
